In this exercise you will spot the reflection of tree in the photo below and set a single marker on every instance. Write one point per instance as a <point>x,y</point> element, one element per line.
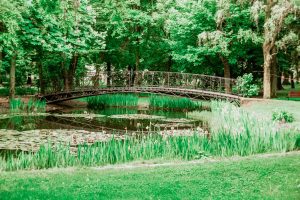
<point>21,122</point>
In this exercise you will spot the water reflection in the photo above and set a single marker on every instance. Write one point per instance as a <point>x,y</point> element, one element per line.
<point>106,119</point>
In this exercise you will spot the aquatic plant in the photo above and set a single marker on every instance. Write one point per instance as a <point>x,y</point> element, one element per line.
<point>282,116</point>
<point>17,105</point>
<point>233,132</point>
<point>150,147</point>
<point>110,100</point>
<point>170,103</point>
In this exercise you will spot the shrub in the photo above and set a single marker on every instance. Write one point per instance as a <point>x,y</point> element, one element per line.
<point>282,116</point>
<point>245,86</point>
<point>4,91</point>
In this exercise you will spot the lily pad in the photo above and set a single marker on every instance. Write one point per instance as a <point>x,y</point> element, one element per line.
<point>136,116</point>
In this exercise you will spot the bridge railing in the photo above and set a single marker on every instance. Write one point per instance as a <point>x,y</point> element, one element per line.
<point>154,79</point>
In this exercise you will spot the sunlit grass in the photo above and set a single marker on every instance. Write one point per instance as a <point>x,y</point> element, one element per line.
<point>17,105</point>
<point>170,103</point>
<point>107,100</point>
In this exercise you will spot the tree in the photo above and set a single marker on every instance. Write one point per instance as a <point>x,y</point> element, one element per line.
<point>275,13</point>
<point>10,19</point>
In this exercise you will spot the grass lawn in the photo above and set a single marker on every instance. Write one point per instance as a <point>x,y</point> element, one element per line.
<point>265,108</point>
<point>261,177</point>
<point>283,94</point>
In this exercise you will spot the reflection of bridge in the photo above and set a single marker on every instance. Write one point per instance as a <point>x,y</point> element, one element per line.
<point>195,86</point>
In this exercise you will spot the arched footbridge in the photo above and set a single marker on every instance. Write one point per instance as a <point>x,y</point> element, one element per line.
<point>194,86</point>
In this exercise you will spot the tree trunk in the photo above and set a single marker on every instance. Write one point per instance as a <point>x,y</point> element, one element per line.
<point>297,74</point>
<point>285,78</point>
<point>170,63</point>
<point>12,75</point>
<point>292,81</point>
<point>1,57</point>
<point>267,47</point>
<point>274,74</point>
<point>132,75</point>
<point>136,67</point>
<point>270,36</point>
<point>137,50</point>
<point>41,77</point>
<point>72,70</point>
<point>69,72</point>
<point>65,73</point>
<point>227,75</point>
<point>66,81</point>
<point>279,84</point>
<point>267,83</point>
<point>108,70</point>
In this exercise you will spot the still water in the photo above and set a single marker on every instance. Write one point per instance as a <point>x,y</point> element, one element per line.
<point>119,119</point>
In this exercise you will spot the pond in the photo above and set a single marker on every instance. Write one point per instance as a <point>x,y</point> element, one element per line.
<point>77,126</point>
<point>109,119</point>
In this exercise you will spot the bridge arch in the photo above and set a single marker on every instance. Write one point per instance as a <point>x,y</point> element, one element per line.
<point>194,86</point>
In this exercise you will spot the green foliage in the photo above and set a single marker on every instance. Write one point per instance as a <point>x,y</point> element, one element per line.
<point>169,103</point>
<point>19,91</point>
<point>107,100</point>
<point>282,116</point>
<point>58,39</point>
<point>245,86</point>
<point>17,106</point>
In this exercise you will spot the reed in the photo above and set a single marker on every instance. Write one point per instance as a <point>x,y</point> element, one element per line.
<point>118,100</point>
<point>169,103</point>
<point>150,147</point>
<point>17,105</point>
<point>242,133</point>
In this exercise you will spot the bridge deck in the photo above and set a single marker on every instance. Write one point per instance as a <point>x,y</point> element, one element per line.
<point>191,93</point>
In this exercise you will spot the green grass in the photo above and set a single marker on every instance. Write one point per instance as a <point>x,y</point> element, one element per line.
<point>269,177</point>
<point>283,94</point>
<point>171,103</point>
<point>17,106</point>
<point>265,108</point>
<point>117,100</point>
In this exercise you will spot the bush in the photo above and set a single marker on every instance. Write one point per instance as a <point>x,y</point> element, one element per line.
<point>4,91</point>
<point>245,86</point>
<point>282,116</point>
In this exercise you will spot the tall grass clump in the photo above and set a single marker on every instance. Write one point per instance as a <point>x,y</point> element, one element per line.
<point>169,103</point>
<point>107,100</point>
<point>148,147</point>
<point>241,133</point>
<point>17,105</point>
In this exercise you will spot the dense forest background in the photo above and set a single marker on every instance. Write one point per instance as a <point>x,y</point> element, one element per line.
<point>56,39</point>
